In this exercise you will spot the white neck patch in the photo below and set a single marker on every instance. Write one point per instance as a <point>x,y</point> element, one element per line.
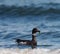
<point>34,34</point>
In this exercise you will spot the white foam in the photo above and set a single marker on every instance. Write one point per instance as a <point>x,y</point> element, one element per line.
<point>29,51</point>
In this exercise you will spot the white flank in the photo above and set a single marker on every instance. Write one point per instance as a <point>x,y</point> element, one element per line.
<point>22,42</point>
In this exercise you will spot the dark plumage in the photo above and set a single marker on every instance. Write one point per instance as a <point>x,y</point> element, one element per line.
<point>32,42</point>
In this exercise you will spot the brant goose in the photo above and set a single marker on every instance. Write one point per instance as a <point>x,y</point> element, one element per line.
<point>32,42</point>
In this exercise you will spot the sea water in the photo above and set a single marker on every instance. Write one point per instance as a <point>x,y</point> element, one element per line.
<point>17,21</point>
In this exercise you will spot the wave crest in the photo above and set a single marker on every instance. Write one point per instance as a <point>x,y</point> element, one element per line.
<point>29,51</point>
<point>29,10</point>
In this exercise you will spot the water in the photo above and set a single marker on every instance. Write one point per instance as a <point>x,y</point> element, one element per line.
<point>17,21</point>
